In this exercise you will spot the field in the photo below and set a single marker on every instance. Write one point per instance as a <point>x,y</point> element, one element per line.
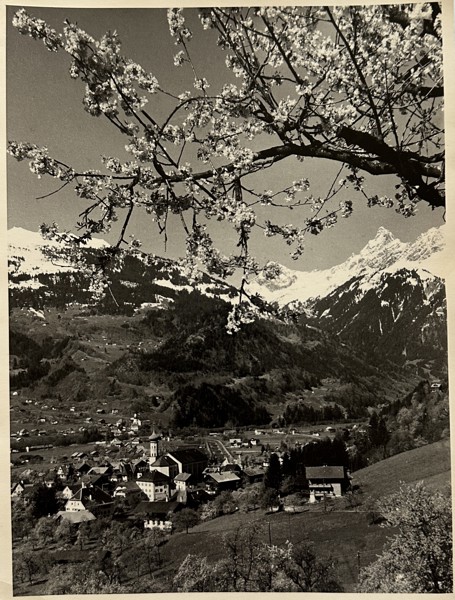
<point>429,463</point>
<point>340,534</point>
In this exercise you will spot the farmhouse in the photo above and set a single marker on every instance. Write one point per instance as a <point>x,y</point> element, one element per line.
<point>157,515</point>
<point>17,490</point>
<point>90,498</point>
<point>219,482</point>
<point>326,481</point>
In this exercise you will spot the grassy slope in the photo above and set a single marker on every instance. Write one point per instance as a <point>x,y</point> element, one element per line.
<point>339,533</point>
<point>429,463</point>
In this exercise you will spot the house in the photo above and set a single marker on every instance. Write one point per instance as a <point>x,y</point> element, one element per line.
<point>254,475</point>
<point>91,498</point>
<point>82,468</point>
<point>101,470</point>
<point>17,490</point>
<point>69,491</point>
<point>182,484</point>
<point>136,423</point>
<point>326,481</point>
<point>121,471</point>
<point>100,481</point>
<point>127,489</point>
<point>75,517</point>
<point>157,515</point>
<point>235,442</point>
<point>140,466</point>
<point>220,482</point>
<point>155,485</point>
<point>232,467</point>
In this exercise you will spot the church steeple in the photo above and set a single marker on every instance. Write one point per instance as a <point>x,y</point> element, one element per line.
<point>154,446</point>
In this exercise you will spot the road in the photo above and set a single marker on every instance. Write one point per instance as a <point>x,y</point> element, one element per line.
<point>218,449</point>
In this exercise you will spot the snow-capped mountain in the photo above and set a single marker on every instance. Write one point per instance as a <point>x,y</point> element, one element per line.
<point>27,257</point>
<point>38,281</point>
<point>399,314</point>
<point>383,253</point>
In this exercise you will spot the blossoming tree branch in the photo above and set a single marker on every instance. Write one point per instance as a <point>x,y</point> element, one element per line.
<point>360,86</point>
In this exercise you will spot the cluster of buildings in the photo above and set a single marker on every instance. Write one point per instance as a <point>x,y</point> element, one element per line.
<point>155,485</point>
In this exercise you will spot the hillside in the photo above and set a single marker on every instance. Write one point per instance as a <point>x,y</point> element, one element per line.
<point>430,463</point>
<point>160,346</point>
<point>180,365</point>
<point>400,314</point>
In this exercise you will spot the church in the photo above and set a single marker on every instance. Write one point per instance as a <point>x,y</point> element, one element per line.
<point>174,470</point>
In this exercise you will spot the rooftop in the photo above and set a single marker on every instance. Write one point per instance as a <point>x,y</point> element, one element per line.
<point>155,477</point>
<point>325,472</point>
<point>156,508</point>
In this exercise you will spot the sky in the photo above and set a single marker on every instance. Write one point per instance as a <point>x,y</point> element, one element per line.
<point>44,106</point>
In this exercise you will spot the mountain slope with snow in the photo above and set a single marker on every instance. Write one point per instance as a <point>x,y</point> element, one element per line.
<point>134,281</point>
<point>399,315</point>
<point>28,257</point>
<point>383,253</point>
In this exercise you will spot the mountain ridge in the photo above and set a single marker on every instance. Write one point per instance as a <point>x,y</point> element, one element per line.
<point>383,252</point>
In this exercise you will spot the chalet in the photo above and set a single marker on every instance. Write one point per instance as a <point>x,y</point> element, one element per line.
<point>220,482</point>
<point>93,499</point>
<point>17,490</point>
<point>326,481</point>
<point>157,515</point>
<point>127,489</point>
<point>254,475</point>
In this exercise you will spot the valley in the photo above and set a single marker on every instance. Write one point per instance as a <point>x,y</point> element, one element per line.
<point>355,381</point>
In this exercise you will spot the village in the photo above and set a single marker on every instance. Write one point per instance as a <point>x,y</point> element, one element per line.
<point>152,478</point>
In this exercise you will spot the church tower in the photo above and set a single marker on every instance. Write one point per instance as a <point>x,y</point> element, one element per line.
<point>154,447</point>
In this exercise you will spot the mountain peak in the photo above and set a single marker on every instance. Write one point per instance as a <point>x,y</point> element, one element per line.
<point>383,252</point>
<point>382,231</point>
<point>384,235</point>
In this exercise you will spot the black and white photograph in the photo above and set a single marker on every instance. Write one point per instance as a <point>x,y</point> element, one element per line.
<point>228,256</point>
